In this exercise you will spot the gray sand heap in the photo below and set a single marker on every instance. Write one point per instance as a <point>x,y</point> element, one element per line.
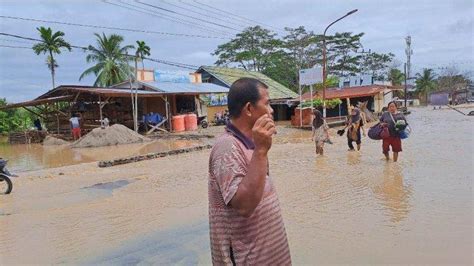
<point>113,135</point>
<point>52,141</point>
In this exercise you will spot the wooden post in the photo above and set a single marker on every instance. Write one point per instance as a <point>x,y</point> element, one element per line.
<point>100,109</point>
<point>168,113</point>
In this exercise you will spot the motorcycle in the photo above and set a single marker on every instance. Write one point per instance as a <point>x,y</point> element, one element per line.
<point>6,185</point>
<point>202,121</point>
<point>221,119</point>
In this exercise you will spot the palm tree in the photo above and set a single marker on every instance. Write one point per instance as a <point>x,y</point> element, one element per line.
<point>425,82</point>
<point>51,43</point>
<point>111,60</point>
<point>51,63</point>
<point>396,77</point>
<point>142,51</point>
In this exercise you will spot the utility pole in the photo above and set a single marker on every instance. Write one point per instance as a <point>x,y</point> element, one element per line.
<point>405,67</point>
<point>408,52</point>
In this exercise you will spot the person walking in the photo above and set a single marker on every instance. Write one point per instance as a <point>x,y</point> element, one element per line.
<point>320,132</point>
<point>396,122</point>
<point>355,125</point>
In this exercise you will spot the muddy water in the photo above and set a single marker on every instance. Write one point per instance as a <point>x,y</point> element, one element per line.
<point>343,208</point>
<point>36,156</point>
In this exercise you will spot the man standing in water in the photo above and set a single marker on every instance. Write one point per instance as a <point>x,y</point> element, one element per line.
<point>246,226</point>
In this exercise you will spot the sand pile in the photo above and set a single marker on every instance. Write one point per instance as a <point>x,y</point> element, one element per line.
<point>113,135</point>
<point>51,141</point>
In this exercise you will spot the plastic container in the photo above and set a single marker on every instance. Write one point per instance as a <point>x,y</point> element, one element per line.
<point>178,123</point>
<point>190,122</point>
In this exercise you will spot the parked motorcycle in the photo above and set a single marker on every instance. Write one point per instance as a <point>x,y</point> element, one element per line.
<point>202,121</point>
<point>221,118</point>
<point>6,185</point>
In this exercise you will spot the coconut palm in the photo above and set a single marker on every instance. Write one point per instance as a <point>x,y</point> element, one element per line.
<point>51,44</point>
<point>142,51</point>
<point>396,77</point>
<point>111,60</point>
<point>51,63</point>
<point>425,82</point>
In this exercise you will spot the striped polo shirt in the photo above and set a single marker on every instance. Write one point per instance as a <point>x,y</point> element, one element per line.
<point>257,240</point>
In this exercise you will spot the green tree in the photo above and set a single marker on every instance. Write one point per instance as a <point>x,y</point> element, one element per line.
<point>342,57</point>
<point>111,60</point>
<point>376,65</point>
<point>142,51</point>
<point>302,47</point>
<point>51,44</point>
<point>396,77</point>
<point>12,120</point>
<point>425,83</point>
<point>250,49</point>
<point>280,67</point>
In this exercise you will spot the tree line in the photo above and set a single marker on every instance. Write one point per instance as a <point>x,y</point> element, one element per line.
<point>254,49</point>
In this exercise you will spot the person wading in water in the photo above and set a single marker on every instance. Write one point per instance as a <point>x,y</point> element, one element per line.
<point>319,132</point>
<point>354,125</point>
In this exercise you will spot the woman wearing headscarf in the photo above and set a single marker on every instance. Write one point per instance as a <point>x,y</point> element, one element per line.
<point>320,132</point>
<point>354,124</point>
<point>396,122</point>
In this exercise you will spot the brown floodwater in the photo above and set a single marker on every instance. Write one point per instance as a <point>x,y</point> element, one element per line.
<point>27,157</point>
<point>343,208</point>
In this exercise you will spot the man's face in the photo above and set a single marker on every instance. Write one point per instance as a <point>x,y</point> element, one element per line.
<point>262,107</point>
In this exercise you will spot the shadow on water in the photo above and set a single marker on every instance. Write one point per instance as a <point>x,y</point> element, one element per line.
<point>109,186</point>
<point>182,246</point>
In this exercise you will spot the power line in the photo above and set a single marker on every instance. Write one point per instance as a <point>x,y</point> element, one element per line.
<point>202,14</point>
<point>165,62</point>
<point>226,72</point>
<point>11,46</point>
<point>110,28</point>
<point>164,16</point>
<point>15,41</point>
<point>248,24</point>
<point>237,16</point>
<point>187,16</point>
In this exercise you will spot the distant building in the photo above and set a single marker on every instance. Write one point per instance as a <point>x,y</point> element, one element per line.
<point>282,99</point>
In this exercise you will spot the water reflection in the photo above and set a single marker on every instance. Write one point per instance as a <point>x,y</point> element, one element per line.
<point>393,194</point>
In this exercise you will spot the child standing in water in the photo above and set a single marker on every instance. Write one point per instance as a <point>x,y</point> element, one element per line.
<point>320,132</point>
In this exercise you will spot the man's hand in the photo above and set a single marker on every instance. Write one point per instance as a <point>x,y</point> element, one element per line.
<point>262,132</point>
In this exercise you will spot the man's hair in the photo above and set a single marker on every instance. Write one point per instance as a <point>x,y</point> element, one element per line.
<point>243,91</point>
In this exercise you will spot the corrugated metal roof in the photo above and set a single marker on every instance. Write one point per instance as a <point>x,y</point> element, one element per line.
<point>37,102</point>
<point>230,75</point>
<point>185,88</point>
<point>348,92</point>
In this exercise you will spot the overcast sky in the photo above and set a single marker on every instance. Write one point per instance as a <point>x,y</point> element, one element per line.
<point>442,32</point>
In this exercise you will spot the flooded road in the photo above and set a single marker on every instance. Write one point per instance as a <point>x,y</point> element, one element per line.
<point>343,208</point>
<point>27,157</point>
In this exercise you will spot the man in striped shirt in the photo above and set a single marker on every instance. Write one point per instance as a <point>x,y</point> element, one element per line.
<point>246,226</point>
